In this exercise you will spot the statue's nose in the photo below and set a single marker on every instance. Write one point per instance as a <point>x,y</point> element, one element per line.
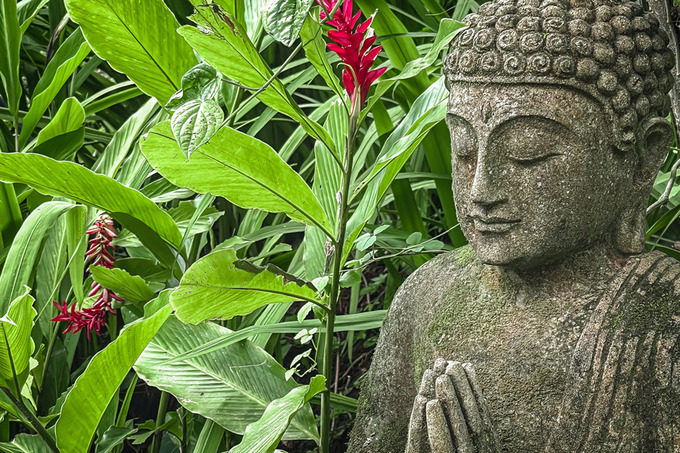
<point>487,188</point>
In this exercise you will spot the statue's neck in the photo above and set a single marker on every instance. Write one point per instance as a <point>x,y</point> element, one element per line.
<point>582,272</point>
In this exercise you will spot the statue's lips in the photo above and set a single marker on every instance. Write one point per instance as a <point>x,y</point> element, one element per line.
<point>494,224</point>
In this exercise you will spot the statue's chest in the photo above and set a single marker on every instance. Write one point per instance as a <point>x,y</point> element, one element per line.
<point>521,348</point>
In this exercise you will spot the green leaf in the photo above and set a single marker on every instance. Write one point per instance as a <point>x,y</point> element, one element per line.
<point>210,438</point>
<point>22,257</point>
<point>25,443</point>
<point>215,288</point>
<point>113,437</point>
<point>68,118</point>
<point>230,51</point>
<point>283,19</point>
<point>90,395</point>
<point>240,168</point>
<point>50,270</point>
<point>448,28</point>
<point>76,243</point>
<point>130,287</point>
<point>76,182</point>
<point>16,345</point>
<point>199,82</point>
<point>67,58</point>
<point>194,123</point>
<point>264,435</point>
<point>27,10</point>
<point>315,50</point>
<point>137,38</point>
<point>10,43</point>
<point>232,386</point>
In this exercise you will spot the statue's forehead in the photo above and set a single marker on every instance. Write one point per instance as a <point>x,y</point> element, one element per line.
<point>493,104</point>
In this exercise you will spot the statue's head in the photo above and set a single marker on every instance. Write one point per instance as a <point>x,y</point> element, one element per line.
<point>557,116</point>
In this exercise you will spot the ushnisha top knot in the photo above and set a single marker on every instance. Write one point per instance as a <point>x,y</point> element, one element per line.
<point>610,49</point>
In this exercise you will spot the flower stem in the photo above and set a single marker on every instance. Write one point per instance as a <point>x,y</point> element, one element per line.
<point>35,423</point>
<point>337,268</point>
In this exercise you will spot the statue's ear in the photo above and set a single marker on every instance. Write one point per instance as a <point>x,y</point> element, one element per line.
<point>653,138</point>
<point>654,135</point>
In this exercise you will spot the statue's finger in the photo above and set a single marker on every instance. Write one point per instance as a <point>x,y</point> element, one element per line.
<point>467,398</point>
<point>417,429</point>
<point>439,366</point>
<point>490,437</point>
<point>438,429</point>
<point>446,394</point>
<point>427,384</point>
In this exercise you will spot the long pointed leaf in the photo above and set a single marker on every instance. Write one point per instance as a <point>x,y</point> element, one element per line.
<point>215,288</point>
<point>80,184</point>
<point>137,38</point>
<point>238,167</point>
<point>90,395</point>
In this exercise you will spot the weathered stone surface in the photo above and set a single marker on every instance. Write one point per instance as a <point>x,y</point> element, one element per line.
<point>568,329</point>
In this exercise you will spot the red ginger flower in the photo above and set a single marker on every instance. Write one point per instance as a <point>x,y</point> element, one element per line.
<point>100,254</point>
<point>353,46</point>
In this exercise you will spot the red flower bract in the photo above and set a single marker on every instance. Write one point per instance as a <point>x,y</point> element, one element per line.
<point>353,45</point>
<point>100,254</point>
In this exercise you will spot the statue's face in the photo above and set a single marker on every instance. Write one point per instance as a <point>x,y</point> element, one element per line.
<point>535,175</point>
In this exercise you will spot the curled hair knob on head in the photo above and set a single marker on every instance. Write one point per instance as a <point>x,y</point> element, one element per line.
<point>610,49</point>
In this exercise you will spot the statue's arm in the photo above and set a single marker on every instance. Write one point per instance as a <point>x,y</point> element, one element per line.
<point>388,390</point>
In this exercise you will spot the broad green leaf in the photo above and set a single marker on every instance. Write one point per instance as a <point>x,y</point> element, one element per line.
<point>68,118</point>
<point>448,28</point>
<point>283,19</point>
<point>264,435</point>
<point>90,395</point>
<point>194,123</point>
<point>232,386</point>
<point>25,443</point>
<point>315,50</point>
<point>238,167</point>
<point>80,184</point>
<point>215,288</point>
<point>66,59</point>
<point>22,257</point>
<point>199,82</point>
<point>16,345</point>
<point>137,38</point>
<point>130,287</point>
<point>10,43</point>
<point>230,51</point>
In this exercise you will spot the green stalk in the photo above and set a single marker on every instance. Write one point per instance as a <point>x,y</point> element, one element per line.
<point>35,423</point>
<point>160,419</point>
<point>337,267</point>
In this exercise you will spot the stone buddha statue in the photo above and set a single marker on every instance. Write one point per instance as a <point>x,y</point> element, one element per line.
<point>554,330</point>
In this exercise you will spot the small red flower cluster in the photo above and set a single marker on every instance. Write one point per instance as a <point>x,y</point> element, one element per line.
<point>99,253</point>
<point>353,45</point>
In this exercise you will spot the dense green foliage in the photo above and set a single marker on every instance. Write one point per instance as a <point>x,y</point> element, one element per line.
<point>257,208</point>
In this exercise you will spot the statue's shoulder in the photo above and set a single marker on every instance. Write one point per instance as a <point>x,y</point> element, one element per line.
<point>652,294</point>
<point>436,278</point>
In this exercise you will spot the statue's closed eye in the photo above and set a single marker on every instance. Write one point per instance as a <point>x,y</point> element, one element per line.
<point>530,140</point>
<point>463,138</point>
